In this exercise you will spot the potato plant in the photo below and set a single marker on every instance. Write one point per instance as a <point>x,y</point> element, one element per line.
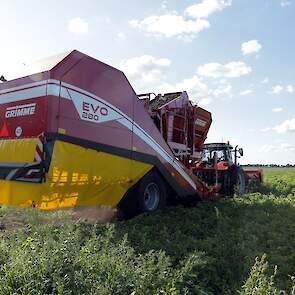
<point>240,245</point>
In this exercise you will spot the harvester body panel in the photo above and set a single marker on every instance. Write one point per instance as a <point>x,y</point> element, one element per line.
<point>77,134</point>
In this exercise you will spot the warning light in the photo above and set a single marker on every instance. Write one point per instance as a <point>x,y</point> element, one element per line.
<point>4,131</point>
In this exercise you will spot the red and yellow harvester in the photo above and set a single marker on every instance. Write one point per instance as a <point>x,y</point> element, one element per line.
<point>74,133</point>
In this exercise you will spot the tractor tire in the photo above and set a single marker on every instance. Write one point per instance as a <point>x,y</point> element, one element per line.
<point>227,187</point>
<point>240,182</point>
<point>152,193</point>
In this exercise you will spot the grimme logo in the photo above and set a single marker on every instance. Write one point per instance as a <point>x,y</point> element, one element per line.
<point>21,110</point>
<point>92,112</point>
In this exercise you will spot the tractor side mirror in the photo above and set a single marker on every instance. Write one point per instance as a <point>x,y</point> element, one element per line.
<point>241,152</point>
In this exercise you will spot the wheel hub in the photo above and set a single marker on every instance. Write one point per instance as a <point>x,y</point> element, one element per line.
<point>151,196</point>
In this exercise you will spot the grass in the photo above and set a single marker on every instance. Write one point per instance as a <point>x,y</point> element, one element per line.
<point>240,245</point>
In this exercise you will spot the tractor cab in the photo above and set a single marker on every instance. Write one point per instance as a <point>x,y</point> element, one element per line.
<point>217,152</point>
<point>219,165</point>
<point>219,156</point>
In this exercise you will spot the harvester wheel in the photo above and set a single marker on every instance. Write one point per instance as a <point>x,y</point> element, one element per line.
<point>240,183</point>
<point>148,195</point>
<point>152,193</point>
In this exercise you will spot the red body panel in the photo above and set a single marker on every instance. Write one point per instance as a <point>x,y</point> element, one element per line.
<point>223,165</point>
<point>25,118</point>
<point>254,175</point>
<point>86,99</point>
<point>220,166</point>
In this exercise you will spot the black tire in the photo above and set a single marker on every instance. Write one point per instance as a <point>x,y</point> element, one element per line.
<point>127,207</point>
<point>240,181</point>
<point>152,193</point>
<point>227,187</point>
<point>133,203</point>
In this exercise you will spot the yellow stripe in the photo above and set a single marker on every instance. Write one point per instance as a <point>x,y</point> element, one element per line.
<point>77,176</point>
<point>17,150</point>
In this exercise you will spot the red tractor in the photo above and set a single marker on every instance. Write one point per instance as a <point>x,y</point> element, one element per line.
<point>219,165</point>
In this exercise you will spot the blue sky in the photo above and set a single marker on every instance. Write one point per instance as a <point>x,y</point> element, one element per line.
<point>234,57</point>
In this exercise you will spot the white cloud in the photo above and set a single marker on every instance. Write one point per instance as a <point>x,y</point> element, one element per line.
<point>232,69</point>
<point>286,126</point>
<point>149,74</point>
<point>145,71</point>
<point>277,89</point>
<point>207,7</point>
<point>164,4</point>
<point>195,87</point>
<point>290,89</point>
<point>246,92</point>
<point>222,81</point>
<point>205,101</point>
<point>283,147</point>
<point>251,47</point>
<point>171,25</point>
<point>199,90</point>
<point>121,36</point>
<point>287,147</point>
<point>267,148</point>
<point>285,3</point>
<point>185,25</point>
<point>224,89</point>
<point>277,110</point>
<point>266,129</point>
<point>265,80</point>
<point>78,25</point>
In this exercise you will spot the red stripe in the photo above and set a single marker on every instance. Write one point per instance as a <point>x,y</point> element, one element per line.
<point>39,152</point>
<point>41,139</point>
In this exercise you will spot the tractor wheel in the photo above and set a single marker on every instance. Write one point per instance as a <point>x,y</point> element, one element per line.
<point>240,181</point>
<point>227,185</point>
<point>152,193</point>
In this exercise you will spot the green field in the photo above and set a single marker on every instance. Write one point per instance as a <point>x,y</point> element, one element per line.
<point>207,249</point>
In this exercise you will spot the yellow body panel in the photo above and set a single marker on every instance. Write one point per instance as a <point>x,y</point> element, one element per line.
<point>77,176</point>
<point>17,150</point>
